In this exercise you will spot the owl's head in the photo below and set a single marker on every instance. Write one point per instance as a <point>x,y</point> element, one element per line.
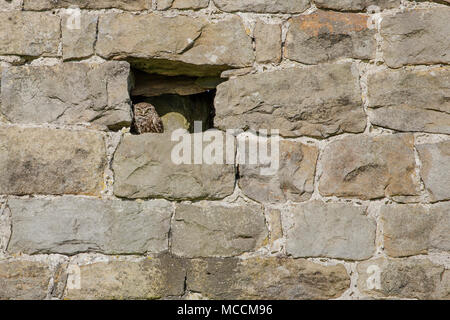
<point>144,109</point>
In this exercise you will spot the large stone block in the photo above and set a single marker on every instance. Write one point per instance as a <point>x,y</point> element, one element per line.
<point>325,36</point>
<point>68,93</point>
<point>415,229</point>
<point>356,5</point>
<point>72,225</point>
<point>144,167</point>
<point>266,278</point>
<point>435,171</point>
<point>186,45</point>
<point>152,278</point>
<point>51,161</point>
<point>404,278</point>
<point>318,101</point>
<point>334,230</point>
<point>418,36</point>
<point>207,229</point>
<point>133,5</point>
<point>263,6</point>
<point>293,180</point>
<point>29,33</point>
<point>368,167</point>
<point>24,280</point>
<point>416,100</point>
<point>268,42</point>
<point>79,42</point>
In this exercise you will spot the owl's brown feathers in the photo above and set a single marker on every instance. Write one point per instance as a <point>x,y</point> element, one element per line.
<point>146,119</point>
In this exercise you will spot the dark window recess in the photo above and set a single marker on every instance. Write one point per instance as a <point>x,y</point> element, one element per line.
<point>179,100</point>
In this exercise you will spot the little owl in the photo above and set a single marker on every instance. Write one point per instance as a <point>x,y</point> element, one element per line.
<point>146,119</point>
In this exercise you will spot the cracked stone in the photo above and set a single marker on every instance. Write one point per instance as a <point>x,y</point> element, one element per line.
<point>417,100</point>
<point>435,170</point>
<point>94,93</point>
<point>318,101</point>
<point>196,47</point>
<point>418,36</point>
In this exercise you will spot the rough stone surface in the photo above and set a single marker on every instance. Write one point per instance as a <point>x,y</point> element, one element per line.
<point>150,85</point>
<point>72,225</point>
<point>133,5</point>
<point>163,4</point>
<point>416,100</point>
<point>51,161</point>
<point>417,36</point>
<point>182,4</point>
<point>435,171</point>
<point>294,180</point>
<point>273,217</point>
<point>96,93</point>
<point>266,278</point>
<point>318,229</point>
<point>2,117</point>
<point>263,6</point>
<point>319,101</point>
<point>369,167</point>
<point>79,43</point>
<point>152,278</point>
<point>23,280</point>
<point>6,5</point>
<point>5,226</point>
<point>415,229</point>
<point>268,42</point>
<point>325,36</point>
<point>356,5</point>
<point>404,278</point>
<point>196,47</point>
<point>143,168</point>
<point>29,33</point>
<point>206,230</point>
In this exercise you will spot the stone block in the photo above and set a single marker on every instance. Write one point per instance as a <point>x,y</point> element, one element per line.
<point>71,225</point>
<point>68,93</point>
<point>318,101</point>
<point>209,229</point>
<point>51,161</point>
<point>368,167</point>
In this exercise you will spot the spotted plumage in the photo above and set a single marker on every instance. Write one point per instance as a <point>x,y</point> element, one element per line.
<point>146,119</point>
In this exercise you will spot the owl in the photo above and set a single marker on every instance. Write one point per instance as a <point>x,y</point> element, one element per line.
<point>146,119</point>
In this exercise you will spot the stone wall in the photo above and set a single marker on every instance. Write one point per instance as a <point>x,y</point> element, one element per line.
<point>358,209</point>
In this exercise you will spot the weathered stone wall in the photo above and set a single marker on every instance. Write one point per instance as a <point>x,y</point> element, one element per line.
<point>359,207</point>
